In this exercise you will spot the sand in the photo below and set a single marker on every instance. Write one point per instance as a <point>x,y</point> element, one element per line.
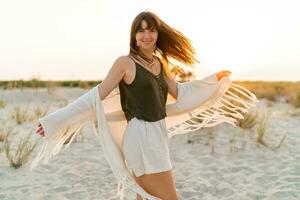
<point>232,165</point>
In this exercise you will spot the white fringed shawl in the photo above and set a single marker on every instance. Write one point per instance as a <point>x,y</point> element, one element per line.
<point>200,103</point>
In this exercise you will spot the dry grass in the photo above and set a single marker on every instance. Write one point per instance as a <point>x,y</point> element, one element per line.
<point>84,85</point>
<point>3,136</point>
<point>40,111</point>
<point>281,142</point>
<point>21,155</point>
<point>211,139</point>
<point>272,90</point>
<point>260,121</point>
<point>261,129</point>
<point>51,87</point>
<point>4,132</point>
<point>21,115</point>
<point>2,104</point>
<point>294,98</point>
<point>261,132</point>
<point>190,140</point>
<point>249,121</point>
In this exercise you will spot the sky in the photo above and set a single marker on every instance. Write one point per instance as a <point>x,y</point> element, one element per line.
<point>76,39</point>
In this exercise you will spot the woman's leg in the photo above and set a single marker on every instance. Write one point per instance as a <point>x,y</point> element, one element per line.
<point>137,179</point>
<point>158,184</point>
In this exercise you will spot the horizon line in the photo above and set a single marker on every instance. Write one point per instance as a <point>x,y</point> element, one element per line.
<point>238,80</point>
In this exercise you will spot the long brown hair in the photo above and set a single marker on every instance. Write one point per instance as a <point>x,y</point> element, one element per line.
<point>171,44</point>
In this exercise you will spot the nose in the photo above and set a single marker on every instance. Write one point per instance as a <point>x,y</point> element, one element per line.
<point>147,35</point>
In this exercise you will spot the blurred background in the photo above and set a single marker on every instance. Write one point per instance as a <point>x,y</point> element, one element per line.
<point>79,40</point>
<point>52,52</point>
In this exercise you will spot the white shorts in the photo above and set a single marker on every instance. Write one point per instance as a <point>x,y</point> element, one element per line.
<point>145,147</point>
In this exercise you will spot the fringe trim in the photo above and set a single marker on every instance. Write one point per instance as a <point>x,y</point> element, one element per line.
<point>120,190</point>
<point>53,144</point>
<point>227,108</point>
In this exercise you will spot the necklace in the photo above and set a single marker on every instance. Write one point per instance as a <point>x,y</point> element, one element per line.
<point>149,63</point>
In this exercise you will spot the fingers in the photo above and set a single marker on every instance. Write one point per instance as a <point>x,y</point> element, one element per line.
<point>41,133</point>
<point>40,130</point>
<point>226,72</point>
<point>223,73</point>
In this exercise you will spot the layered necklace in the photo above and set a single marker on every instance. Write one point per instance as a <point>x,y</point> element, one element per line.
<point>148,62</point>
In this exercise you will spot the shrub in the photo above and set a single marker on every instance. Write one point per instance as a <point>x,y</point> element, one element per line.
<point>22,152</point>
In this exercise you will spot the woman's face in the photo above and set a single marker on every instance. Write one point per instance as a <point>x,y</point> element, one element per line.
<point>145,37</point>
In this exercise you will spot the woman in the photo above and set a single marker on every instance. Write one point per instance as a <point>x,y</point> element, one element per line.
<point>144,80</point>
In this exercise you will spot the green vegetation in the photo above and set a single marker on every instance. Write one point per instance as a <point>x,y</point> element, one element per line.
<point>50,85</point>
<point>262,89</point>
<point>21,155</point>
<point>273,90</point>
<point>261,130</point>
<point>2,103</point>
<point>4,132</point>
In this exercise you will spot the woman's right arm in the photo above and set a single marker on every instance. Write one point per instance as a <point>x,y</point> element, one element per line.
<point>114,76</point>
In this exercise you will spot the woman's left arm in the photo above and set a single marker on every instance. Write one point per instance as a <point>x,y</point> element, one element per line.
<point>172,86</point>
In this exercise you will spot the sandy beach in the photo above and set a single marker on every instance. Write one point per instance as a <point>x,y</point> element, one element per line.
<point>222,163</point>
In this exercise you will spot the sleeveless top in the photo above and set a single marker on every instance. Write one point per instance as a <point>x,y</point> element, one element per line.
<point>145,98</point>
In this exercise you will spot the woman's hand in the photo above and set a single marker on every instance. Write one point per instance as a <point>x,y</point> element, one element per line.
<point>223,73</point>
<point>40,130</point>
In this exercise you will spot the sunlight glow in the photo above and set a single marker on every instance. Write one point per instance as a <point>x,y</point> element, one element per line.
<point>66,39</point>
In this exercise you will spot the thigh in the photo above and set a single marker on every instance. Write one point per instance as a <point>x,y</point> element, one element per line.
<point>159,184</point>
<point>138,180</point>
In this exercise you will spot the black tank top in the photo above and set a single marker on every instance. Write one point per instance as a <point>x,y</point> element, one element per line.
<point>145,98</point>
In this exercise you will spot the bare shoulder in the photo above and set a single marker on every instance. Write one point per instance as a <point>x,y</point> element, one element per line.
<point>124,62</point>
